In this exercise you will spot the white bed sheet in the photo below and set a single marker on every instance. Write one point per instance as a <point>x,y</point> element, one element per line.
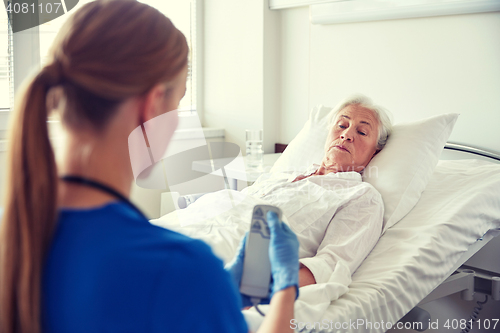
<point>460,204</point>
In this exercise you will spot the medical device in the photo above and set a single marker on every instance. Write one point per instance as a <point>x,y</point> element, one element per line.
<point>257,266</point>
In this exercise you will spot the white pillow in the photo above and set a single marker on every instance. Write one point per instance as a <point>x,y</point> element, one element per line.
<point>400,172</point>
<point>407,162</point>
<point>308,146</point>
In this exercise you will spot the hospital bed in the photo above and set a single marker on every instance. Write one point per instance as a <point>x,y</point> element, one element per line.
<point>419,258</point>
<point>416,260</point>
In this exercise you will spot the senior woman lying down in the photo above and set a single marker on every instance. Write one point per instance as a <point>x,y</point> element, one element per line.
<point>359,130</point>
<point>336,216</point>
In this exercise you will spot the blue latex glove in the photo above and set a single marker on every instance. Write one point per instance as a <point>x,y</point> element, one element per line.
<point>284,257</point>
<point>235,269</point>
<point>283,254</point>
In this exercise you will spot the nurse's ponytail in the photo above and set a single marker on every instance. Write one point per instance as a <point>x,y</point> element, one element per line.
<point>30,209</point>
<point>108,51</point>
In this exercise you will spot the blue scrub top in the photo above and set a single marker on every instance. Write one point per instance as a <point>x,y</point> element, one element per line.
<point>110,270</point>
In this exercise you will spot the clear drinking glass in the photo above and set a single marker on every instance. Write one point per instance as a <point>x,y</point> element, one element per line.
<point>255,154</point>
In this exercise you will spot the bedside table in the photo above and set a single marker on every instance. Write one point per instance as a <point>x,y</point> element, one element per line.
<point>236,169</point>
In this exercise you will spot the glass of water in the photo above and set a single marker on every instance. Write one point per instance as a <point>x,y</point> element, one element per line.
<point>255,154</point>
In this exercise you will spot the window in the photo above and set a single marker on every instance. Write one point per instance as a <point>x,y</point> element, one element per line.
<point>39,39</point>
<point>6,74</point>
<point>182,14</point>
<point>6,69</point>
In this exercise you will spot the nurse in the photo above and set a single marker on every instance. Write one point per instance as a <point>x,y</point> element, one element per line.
<point>76,255</point>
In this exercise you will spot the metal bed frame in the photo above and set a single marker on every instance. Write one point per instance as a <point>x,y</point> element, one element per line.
<point>472,150</point>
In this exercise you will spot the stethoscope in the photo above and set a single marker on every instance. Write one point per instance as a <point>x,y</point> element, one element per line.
<point>101,187</point>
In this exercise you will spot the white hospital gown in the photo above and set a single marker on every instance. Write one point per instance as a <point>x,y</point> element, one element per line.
<point>309,205</point>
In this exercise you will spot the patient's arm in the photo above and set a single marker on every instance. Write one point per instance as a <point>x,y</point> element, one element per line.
<point>305,276</point>
<point>350,236</point>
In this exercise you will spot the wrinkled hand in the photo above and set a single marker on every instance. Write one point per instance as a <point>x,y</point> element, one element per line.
<point>235,269</point>
<point>283,254</point>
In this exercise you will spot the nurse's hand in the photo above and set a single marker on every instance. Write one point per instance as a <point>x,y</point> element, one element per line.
<point>283,254</point>
<point>235,269</point>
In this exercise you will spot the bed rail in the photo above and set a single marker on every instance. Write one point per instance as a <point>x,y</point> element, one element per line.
<point>472,150</point>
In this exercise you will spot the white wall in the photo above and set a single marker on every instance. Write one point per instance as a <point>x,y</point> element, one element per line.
<point>295,63</point>
<point>414,67</point>
<point>233,67</point>
<point>241,71</point>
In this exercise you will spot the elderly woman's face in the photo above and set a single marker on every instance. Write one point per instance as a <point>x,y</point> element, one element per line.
<point>352,140</point>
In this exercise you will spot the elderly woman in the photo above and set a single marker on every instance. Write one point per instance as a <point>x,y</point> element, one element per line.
<point>336,216</point>
<point>358,131</point>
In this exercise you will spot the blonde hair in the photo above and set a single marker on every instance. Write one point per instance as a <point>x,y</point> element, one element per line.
<point>107,52</point>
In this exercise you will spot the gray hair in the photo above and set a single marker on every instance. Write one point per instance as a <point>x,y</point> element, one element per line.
<point>382,114</point>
